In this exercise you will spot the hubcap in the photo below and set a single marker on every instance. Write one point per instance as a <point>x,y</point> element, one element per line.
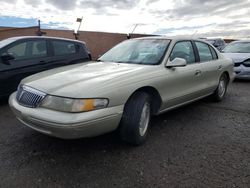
<point>222,87</point>
<point>144,121</point>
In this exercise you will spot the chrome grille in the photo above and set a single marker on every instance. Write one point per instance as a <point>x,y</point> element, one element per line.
<point>29,97</point>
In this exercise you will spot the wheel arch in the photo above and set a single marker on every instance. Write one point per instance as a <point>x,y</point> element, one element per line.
<point>227,74</point>
<point>154,94</point>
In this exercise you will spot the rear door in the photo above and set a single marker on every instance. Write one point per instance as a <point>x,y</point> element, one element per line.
<point>67,52</point>
<point>211,66</point>
<point>29,57</point>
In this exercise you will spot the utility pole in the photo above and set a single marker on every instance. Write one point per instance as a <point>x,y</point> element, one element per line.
<point>39,31</point>
<point>76,34</point>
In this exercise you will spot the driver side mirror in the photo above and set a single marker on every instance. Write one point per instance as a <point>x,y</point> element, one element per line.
<point>6,57</point>
<point>177,62</point>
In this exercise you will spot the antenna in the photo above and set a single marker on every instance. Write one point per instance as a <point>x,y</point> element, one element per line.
<point>129,34</point>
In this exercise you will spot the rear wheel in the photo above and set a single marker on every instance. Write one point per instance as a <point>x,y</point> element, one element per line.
<point>136,119</point>
<point>221,90</point>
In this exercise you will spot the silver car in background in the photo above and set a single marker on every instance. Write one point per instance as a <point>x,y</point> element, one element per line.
<point>134,80</point>
<point>239,52</point>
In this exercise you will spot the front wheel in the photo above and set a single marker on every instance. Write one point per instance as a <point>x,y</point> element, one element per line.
<point>221,90</point>
<point>136,119</point>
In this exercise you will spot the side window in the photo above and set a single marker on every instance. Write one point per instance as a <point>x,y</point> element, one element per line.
<point>63,47</point>
<point>204,51</point>
<point>18,51</point>
<point>39,48</point>
<point>214,54</point>
<point>183,50</point>
<point>28,49</point>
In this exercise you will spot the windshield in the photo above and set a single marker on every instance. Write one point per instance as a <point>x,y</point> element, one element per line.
<point>237,47</point>
<point>137,51</point>
<point>6,42</point>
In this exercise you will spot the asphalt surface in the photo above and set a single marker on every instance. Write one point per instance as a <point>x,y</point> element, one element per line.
<point>204,144</point>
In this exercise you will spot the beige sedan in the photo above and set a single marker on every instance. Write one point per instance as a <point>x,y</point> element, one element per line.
<point>134,80</point>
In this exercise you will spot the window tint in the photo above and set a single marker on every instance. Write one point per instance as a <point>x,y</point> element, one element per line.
<point>18,50</point>
<point>28,49</point>
<point>204,51</point>
<point>63,47</point>
<point>214,54</point>
<point>183,50</point>
<point>39,48</point>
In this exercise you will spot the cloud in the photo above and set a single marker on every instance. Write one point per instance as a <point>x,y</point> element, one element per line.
<point>175,17</point>
<point>97,5</point>
<point>236,24</point>
<point>170,30</point>
<point>148,2</point>
<point>63,4</point>
<point>102,7</point>
<point>34,3</point>
<point>9,1</point>
<point>192,8</point>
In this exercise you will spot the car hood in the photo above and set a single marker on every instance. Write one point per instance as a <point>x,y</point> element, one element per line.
<point>88,79</point>
<point>237,57</point>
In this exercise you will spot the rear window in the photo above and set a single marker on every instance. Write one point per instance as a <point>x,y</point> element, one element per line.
<point>63,47</point>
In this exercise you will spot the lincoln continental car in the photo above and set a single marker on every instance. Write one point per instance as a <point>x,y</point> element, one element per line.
<point>133,81</point>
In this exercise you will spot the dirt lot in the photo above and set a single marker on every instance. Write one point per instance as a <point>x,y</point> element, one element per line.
<point>204,144</point>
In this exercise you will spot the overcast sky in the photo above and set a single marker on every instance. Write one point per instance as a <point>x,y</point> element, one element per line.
<point>214,18</point>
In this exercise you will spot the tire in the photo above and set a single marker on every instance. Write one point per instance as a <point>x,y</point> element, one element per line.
<point>221,90</point>
<point>136,119</point>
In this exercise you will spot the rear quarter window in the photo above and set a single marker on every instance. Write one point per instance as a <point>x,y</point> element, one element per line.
<point>64,47</point>
<point>214,54</point>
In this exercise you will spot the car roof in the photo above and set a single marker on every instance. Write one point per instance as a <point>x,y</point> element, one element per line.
<point>177,38</point>
<point>44,37</point>
<point>213,39</point>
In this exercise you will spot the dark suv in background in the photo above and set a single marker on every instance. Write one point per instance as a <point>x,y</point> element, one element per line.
<point>217,43</point>
<point>24,56</point>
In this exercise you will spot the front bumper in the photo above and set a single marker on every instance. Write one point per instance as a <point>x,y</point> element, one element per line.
<point>242,72</point>
<point>68,125</point>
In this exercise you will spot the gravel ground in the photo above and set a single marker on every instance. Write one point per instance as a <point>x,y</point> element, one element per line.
<point>204,144</point>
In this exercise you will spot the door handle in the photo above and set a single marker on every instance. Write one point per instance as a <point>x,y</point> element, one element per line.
<point>220,67</point>
<point>197,72</point>
<point>42,62</point>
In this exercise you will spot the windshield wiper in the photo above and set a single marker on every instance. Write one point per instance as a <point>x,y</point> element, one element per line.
<point>129,62</point>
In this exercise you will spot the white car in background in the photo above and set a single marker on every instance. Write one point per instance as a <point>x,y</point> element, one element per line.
<point>239,52</point>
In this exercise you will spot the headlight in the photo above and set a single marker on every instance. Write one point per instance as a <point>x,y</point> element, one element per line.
<point>73,105</point>
<point>247,62</point>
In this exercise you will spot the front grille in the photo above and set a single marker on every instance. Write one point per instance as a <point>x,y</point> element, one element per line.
<point>29,97</point>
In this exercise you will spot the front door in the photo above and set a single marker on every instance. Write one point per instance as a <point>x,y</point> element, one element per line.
<point>183,84</point>
<point>29,58</point>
